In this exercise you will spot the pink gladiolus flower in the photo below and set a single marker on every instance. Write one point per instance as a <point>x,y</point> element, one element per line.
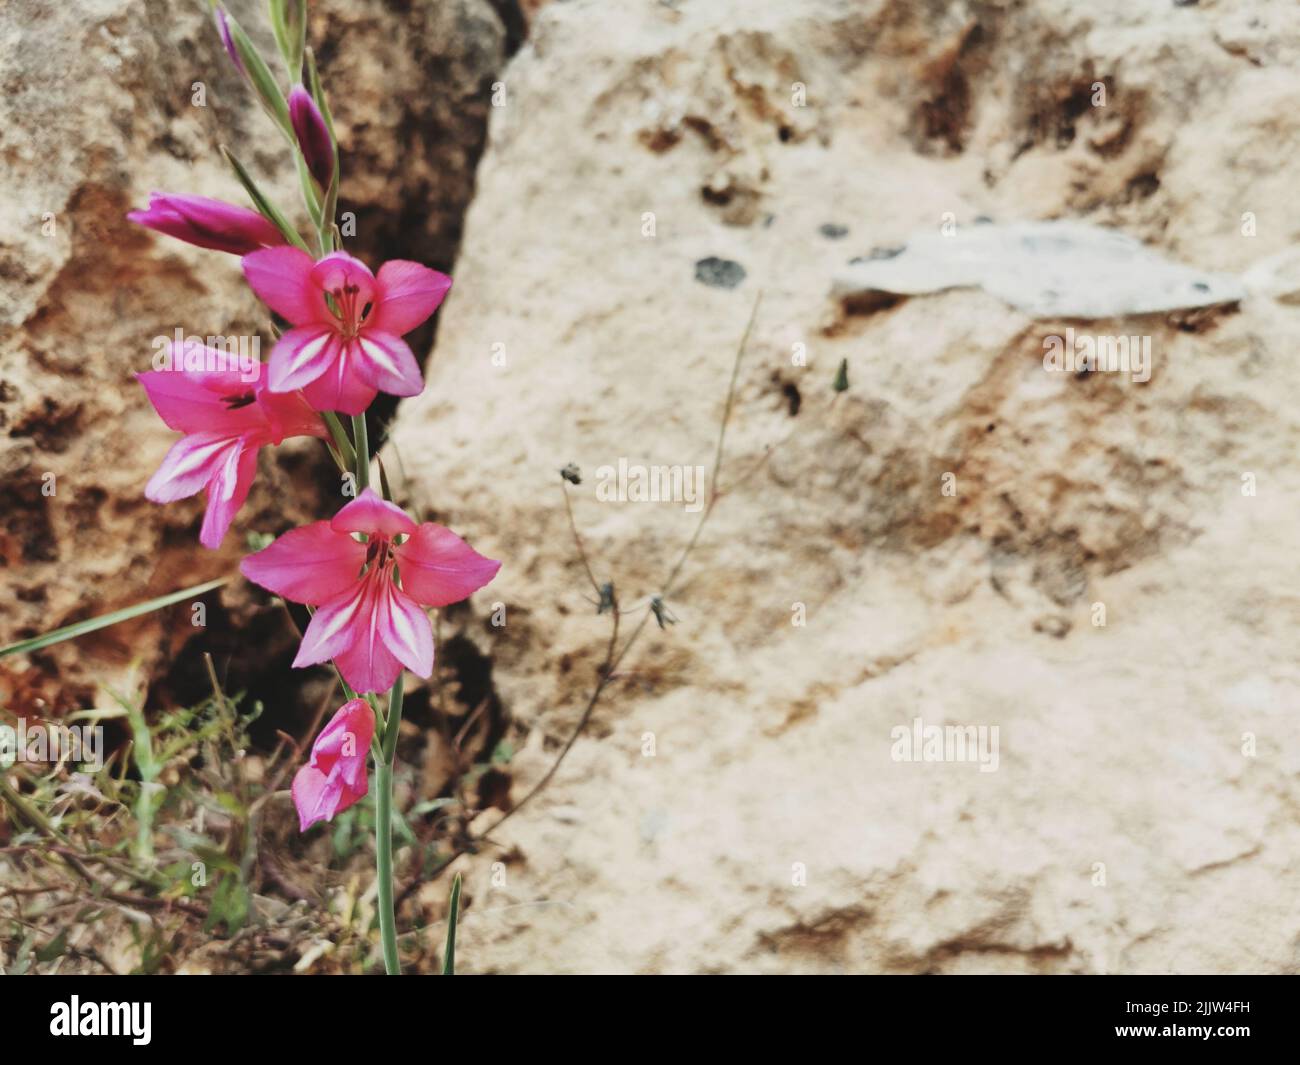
<point>226,416</point>
<point>208,223</point>
<point>369,624</point>
<point>335,777</point>
<point>313,135</point>
<point>346,349</point>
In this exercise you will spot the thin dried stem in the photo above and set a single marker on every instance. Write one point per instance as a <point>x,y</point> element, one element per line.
<point>613,656</point>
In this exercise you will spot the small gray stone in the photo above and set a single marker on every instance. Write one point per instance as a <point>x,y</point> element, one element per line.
<point>719,273</point>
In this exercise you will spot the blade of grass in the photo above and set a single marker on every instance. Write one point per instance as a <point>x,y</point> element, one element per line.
<point>453,910</point>
<point>80,628</point>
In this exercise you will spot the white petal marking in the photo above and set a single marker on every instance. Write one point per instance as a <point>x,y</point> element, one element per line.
<point>308,352</point>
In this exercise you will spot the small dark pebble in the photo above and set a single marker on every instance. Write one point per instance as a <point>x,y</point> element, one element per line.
<point>833,231</point>
<point>719,273</point>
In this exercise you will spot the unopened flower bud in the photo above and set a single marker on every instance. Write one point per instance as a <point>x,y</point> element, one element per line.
<point>223,27</point>
<point>208,223</point>
<point>313,135</point>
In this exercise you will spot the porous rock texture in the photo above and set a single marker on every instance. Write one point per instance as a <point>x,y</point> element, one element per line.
<point>100,105</point>
<point>1111,581</point>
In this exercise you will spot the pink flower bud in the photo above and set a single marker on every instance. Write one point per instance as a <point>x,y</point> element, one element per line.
<point>223,27</point>
<point>335,776</point>
<point>313,135</point>
<point>208,223</point>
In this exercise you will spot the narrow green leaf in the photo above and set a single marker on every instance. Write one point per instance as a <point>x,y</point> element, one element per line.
<point>295,31</point>
<point>383,480</point>
<point>276,10</point>
<point>453,911</point>
<point>264,206</point>
<point>341,440</point>
<point>80,628</point>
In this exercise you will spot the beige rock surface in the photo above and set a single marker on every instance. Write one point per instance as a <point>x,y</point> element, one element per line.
<point>1121,746</point>
<point>97,109</point>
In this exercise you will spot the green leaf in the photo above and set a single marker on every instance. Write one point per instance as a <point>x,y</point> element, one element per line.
<point>341,440</point>
<point>54,947</point>
<point>264,206</point>
<point>383,480</point>
<point>453,911</point>
<point>276,9</point>
<point>80,628</point>
<point>230,905</point>
<point>295,27</point>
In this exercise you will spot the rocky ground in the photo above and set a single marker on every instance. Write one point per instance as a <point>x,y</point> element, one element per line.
<point>1101,570</point>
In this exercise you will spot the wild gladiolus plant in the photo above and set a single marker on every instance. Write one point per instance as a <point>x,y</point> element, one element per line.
<point>370,572</point>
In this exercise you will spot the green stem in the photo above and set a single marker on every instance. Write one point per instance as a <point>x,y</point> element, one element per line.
<point>362,446</point>
<point>384,830</point>
<point>394,719</point>
<point>384,864</point>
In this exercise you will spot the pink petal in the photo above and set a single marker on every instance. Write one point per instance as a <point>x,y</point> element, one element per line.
<point>371,514</point>
<point>197,401</point>
<point>339,271</point>
<point>344,622</point>
<point>281,277</point>
<point>386,362</point>
<point>350,630</point>
<point>368,665</point>
<point>302,355</point>
<point>437,567</point>
<point>405,630</point>
<point>319,796</point>
<point>289,414</point>
<point>341,388</point>
<point>343,744</point>
<point>192,461</point>
<point>316,797</point>
<point>312,564</point>
<point>226,493</point>
<point>408,294</point>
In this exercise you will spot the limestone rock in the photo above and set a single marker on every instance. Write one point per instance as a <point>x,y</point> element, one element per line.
<point>957,526</point>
